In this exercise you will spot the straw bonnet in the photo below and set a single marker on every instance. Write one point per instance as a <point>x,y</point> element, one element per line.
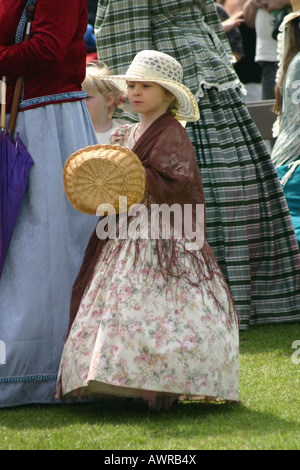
<point>294,14</point>
<point>160,68</point>
<point>100,174</point>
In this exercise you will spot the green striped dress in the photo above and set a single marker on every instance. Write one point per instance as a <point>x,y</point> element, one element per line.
<point>248,222</point>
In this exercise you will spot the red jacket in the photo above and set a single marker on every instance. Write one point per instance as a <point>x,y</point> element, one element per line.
<point>53,60</point>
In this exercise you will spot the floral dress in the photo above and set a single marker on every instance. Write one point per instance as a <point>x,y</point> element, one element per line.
<point>134,332</point>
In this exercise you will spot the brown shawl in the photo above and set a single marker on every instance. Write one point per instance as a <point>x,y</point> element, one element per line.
<point>172,177</point>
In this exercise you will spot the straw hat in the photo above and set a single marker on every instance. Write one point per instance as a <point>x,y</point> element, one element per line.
<point>294,14</point>
<point>100,174</point>
<point>160,68</point>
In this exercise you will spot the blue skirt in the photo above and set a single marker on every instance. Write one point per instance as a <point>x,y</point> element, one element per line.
<point>291,191</point>
<point>44,256</point>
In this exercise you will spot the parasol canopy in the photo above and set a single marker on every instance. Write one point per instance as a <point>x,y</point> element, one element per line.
<point>15,162</point>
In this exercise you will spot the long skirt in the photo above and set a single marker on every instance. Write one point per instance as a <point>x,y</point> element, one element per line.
<point>249,226</point>
<point>140,335</point>
<point>44,256</point>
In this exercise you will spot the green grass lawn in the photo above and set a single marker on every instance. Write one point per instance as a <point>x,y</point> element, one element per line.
<point>268,416</point>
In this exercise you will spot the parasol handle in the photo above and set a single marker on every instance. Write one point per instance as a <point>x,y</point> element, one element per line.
<point>19,83</point>
<point>30,13</point>
<point>30,17</point>
<point>3,103</point>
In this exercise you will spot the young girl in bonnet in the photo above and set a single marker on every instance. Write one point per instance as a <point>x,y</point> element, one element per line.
<point>286,152</point>
<point>153,319</point>
<point>287,105</point>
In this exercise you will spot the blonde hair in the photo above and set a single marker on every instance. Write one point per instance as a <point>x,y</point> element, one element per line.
<point>93,83</point>
<point>173,106</point>
<point>293,47</point>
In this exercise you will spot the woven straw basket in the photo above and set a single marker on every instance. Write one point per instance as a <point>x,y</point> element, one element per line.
<point>100,174</point>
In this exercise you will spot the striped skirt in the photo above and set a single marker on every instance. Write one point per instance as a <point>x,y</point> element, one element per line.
<point>248,222</point>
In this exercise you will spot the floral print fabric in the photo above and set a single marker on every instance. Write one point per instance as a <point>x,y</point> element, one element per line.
<point>136,332</point>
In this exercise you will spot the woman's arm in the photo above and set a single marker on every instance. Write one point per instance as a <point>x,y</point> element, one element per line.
<point>277,4</point>
<point>250,10</point>
<point>53,29</point>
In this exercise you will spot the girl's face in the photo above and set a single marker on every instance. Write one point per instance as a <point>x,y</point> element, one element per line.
<point>148,98</point>
<point>98,105</point>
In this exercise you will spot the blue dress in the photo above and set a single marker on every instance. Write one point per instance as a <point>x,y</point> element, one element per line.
<point>44,257</point>
<point>290,179</point>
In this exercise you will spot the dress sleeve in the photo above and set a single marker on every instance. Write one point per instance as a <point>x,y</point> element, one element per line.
<point>122,28</point>
<point>118,135</point>
<point>53,29</point>
<point>293,86</point>
<point>213,21</point>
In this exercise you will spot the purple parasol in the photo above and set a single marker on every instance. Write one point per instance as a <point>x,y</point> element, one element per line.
<point>15,162</point>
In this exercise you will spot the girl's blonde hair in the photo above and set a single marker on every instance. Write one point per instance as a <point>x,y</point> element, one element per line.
<point>292,48</point>
<point>173,106</point>
<point>93,83</point>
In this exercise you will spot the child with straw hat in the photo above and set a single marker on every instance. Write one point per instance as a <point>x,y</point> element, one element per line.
<point>152,318</point>
<point>286,152</point>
